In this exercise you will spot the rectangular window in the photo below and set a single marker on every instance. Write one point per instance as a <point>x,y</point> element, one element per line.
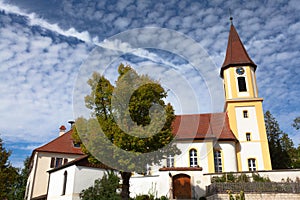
<point>245,113</point>
<point>170,161</point>
<point>218,161</point>
<point>77,145</point>
<point>252,164</point>
<point>52,162</point>
<point>248,136</point>
<point>58,162</point>
<point>242,84</point>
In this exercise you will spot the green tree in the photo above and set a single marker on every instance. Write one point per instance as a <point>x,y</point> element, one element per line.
<point>296,152</point>
<point>133,117</point>
<point>19,186</point>
<point>296,123</point>
<point>103,189</point>
<point>8,174</point>
<point>281,146</point>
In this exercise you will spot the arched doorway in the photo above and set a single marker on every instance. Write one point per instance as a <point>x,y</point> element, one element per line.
<point>182,186</point>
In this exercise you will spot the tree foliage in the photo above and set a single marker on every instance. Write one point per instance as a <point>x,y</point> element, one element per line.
<point>8,174</point>
<point>296,123</point>
<point>282,149</point>
<point>103,189</point>
<point>19,186</point>
<point>130,116</point>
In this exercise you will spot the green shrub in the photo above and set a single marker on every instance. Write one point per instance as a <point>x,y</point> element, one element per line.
<point>103,189</point>
<point>258,178</point>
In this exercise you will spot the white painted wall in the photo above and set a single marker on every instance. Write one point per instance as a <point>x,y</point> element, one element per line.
<point>56,184</point>
<point>249,149</point>
<point>229,156</point>
<point>38,177</point>
<point>85,177</point>
<point>79,178</point>
<point>183,160</point>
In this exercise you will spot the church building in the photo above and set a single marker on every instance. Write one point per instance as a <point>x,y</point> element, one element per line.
<point>234,140</point>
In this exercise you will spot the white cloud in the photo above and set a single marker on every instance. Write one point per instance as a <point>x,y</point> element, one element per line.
<point>40,70</point>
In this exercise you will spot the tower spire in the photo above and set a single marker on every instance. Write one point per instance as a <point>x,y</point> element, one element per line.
<point>236,54</point>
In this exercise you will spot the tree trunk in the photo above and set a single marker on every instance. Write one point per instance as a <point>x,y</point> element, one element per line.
<point>125,186</point>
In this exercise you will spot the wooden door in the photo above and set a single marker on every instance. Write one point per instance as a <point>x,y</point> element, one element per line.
<point>182,186</point>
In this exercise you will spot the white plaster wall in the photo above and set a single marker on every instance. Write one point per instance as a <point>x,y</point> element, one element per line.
<point>279,175</point>
<point>30,178</point>
<point>245,125</point>
<point>255,90</point>
<point>56,184</point>
<point>228,84</point>
<point>147,185</point>
<point>85,177</point>
<point>40,175</point>
<point>183,160</point>
<point>229,156</point>
<point>273,175</point>
<point>249,149</point>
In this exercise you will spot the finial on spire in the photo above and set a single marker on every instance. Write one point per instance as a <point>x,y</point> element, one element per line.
<point>231,18</point>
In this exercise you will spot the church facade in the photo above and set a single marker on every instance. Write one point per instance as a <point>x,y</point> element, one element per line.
<point>211,144</point>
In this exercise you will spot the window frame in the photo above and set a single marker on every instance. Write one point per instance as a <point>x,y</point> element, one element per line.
<point>245,114</point>
<point>252,166</point>
<point>218,163</point>
<point>193,158</point>
<point>242,85</point>
<point>170,161</point>
<point>248,137</point>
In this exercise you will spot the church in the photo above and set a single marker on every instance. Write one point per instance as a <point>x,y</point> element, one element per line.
<point>232,141</point>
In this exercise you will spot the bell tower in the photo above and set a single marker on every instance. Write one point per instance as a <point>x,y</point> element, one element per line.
<point>244,106</point>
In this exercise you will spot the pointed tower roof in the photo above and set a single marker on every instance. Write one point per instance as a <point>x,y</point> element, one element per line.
<point>236,53</point>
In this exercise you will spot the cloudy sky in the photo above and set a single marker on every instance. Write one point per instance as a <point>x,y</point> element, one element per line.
<point>46,46</point>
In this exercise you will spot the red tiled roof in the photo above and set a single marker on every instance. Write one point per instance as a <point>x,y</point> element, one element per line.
<point>202,126</point>
<point>196,126</point>
<point>62,144</point>
<point>236,53</point>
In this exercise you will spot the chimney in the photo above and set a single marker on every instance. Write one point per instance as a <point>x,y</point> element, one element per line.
<point>71,122</point>
<point>62,130</point>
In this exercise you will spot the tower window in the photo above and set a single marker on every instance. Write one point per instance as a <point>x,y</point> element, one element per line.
<point>218,161</point>
<point>242,84</point>
<point>170,161</point>
<point>245,113</point>
<point>193,158</point>
<point>248,136</point>
<point>252,164</point>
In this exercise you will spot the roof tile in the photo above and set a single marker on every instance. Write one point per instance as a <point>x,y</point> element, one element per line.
<point>202,126</point>
<point>62,144</point>
<point>236,53</point>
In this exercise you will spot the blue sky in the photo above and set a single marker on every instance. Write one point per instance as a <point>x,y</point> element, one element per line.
<point>44,44</point>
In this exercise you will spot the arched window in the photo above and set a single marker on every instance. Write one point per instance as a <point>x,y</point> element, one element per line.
<point>252,164</point>
<point>65,183</point>
<point>218,161</point>
<point>193,158</point>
